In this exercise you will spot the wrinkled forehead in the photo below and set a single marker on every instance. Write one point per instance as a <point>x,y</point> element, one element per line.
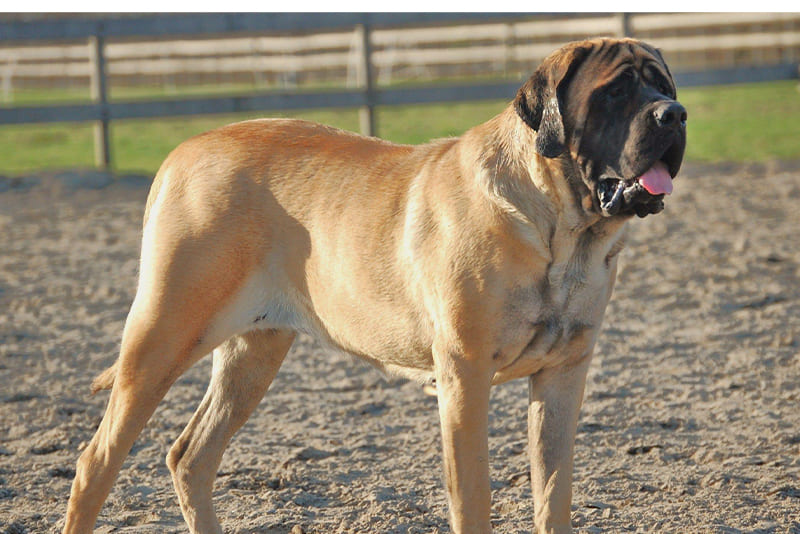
<point>610,57</point>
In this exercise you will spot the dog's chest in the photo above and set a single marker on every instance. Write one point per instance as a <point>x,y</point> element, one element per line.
<point>555,318</point>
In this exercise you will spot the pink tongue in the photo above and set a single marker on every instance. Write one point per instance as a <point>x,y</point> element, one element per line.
<point>657,180</point>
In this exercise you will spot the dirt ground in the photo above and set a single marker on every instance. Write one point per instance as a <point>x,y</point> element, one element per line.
<point>691,420</point>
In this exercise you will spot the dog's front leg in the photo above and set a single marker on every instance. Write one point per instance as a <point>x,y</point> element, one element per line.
<point>555,397</point>
<point>462,386</point>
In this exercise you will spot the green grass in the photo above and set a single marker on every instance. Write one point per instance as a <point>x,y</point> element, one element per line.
<point>751,122</point>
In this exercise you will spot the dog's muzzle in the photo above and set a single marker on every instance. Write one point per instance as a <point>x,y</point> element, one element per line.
<point>644,194</point>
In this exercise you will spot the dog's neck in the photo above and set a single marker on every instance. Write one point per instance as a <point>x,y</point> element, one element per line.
<point>525,184</point>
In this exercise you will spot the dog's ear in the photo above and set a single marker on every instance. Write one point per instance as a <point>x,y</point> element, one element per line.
<point>540,101</point>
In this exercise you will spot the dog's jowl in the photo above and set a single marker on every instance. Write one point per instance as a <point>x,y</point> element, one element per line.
<point>471,261</point>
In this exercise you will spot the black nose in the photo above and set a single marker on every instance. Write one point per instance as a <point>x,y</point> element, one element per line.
<point>670,114</point>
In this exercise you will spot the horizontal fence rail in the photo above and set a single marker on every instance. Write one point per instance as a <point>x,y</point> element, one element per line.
<point>283,101</point>
<point>366,52</point>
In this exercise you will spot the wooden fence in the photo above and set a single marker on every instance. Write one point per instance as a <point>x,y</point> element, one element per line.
<point>363,53</point>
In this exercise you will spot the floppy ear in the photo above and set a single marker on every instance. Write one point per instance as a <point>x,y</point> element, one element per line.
<point>540,100</point>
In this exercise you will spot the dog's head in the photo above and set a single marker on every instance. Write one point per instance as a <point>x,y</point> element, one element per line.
<point>609,105</point>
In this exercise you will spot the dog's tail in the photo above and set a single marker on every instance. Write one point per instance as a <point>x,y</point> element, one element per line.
<point>104,380</point>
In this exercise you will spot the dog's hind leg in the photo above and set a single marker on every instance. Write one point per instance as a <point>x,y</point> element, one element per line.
<point>244,367</point>
<point>152,356</point>
<point>196,259</point>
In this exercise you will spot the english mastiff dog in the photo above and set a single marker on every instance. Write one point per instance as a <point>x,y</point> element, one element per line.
<point>469,261</point>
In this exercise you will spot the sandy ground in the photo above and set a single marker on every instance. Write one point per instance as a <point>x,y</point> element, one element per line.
<point>691,421</point>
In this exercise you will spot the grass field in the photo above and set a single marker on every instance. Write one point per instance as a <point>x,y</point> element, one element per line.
<point>750,122</point>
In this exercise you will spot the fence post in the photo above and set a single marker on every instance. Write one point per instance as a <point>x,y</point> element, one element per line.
<point>509,40</point>
<point>624,25</point>
<point>99,92</point>
<point>8,79</point>
<point>366,114</point>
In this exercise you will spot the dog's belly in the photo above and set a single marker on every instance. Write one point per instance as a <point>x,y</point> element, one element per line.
<point>269,300</point>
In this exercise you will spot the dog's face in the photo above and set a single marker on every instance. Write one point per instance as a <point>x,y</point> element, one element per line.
<point>610,106</point>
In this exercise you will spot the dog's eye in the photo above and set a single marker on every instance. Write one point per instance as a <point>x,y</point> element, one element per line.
<point>661,84</point>
<point>620,87</point>
<point>664,88</point>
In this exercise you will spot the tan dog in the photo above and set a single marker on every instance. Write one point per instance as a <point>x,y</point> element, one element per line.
<point>473,261</point>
